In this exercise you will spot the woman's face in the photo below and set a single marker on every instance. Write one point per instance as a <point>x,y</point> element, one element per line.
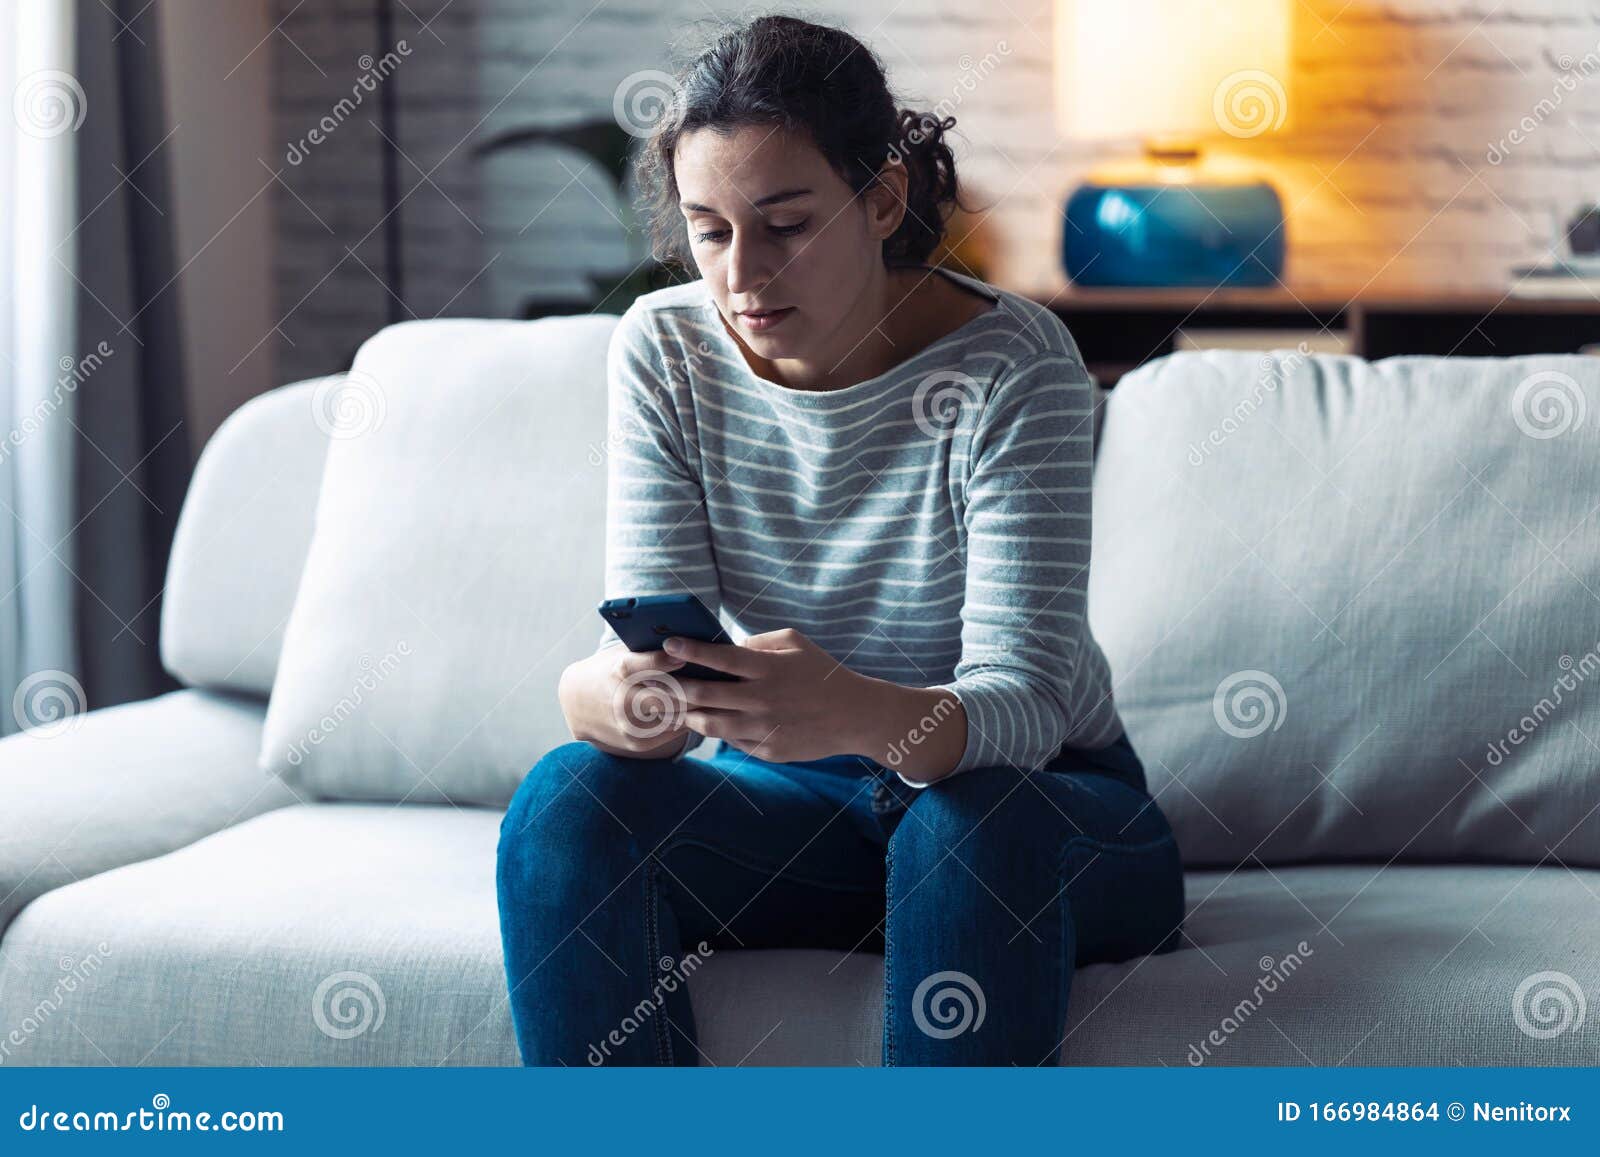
<point>773,227</point>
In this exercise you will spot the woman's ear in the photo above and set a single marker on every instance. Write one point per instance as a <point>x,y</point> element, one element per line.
<point>885,199</point>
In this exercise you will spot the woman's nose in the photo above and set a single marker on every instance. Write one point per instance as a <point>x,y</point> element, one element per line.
<point>749,265</point>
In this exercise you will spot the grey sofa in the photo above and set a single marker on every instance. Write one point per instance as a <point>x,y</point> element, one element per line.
<point>1328,591</point>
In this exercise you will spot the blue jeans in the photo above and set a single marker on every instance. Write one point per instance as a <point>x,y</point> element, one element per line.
<point>617,877</point>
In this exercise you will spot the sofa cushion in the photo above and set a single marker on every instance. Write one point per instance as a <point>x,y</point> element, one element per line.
<point>1352,608</point>
<point>318,935</point>
<point>454,567</point>
<point>123,784</point>
<point>242,539</point>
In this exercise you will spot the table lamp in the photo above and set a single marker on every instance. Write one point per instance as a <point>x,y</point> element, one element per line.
<point>1172,74</point>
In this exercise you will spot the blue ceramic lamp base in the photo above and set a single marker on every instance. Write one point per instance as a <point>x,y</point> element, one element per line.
<point>1174,235</point>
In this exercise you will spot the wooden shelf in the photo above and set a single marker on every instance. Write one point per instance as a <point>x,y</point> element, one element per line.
<point>1118,329</point>
<point>1318,298</point>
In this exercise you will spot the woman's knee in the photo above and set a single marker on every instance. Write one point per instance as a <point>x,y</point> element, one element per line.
<point>574,792</point>
<point>954,813</point>
<point>976,815</point>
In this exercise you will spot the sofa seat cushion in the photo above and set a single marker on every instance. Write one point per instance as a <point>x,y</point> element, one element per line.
<point>363,934</point>
<point>126,783</point>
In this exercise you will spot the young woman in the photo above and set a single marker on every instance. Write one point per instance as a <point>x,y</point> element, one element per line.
<point>881,472</point>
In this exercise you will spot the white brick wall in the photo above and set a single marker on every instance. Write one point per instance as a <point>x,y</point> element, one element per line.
<point>1385,168</point>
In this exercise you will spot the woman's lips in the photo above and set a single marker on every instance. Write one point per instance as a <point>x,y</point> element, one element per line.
<point>765,321</point>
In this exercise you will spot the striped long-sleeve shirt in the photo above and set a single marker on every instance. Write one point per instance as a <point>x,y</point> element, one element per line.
<point>929,526</point>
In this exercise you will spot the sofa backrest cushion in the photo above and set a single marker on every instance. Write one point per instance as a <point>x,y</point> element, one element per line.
<point>1353,609</point>
<point>455,564</point>
<point>241,542</point>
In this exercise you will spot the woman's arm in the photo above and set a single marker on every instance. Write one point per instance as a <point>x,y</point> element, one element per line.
<point>657,541</point>
<point>917,732</point>
<point>1027,518</point>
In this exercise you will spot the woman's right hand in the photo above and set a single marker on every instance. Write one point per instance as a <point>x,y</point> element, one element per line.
<point>625,703</point>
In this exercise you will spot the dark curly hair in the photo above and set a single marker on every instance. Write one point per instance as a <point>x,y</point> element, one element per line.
<point>814,80</point>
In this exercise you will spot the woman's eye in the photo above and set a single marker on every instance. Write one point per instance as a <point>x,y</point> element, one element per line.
<point>780,230</point>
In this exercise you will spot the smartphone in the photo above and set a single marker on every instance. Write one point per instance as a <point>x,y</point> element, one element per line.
<point>644,623</point>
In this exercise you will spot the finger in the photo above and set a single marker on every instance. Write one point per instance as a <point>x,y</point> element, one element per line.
<point>728,657</point>
<point>729,725</point>
<point>635,662</point>
<point>716,694</point>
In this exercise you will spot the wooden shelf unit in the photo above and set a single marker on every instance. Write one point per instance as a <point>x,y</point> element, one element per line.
<point>1119,329</point>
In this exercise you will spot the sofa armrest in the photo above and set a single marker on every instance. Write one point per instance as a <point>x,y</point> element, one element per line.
<point>242,539</point>
<point>126,783</point>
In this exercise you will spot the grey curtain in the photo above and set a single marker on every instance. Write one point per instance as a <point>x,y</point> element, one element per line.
<point>133,459</point>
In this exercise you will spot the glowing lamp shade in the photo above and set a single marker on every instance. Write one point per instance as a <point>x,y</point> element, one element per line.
<point>1146,69</point>
<point>1172,75</point>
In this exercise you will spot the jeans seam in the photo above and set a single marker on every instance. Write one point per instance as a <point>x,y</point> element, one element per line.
<point>888,959</point>
<point>1109,846</point>
<point>1068,965</point>
<point>1115,776</point>
<point>652,948</point>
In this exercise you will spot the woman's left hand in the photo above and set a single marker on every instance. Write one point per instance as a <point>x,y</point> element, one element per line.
<point>793,701</point>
